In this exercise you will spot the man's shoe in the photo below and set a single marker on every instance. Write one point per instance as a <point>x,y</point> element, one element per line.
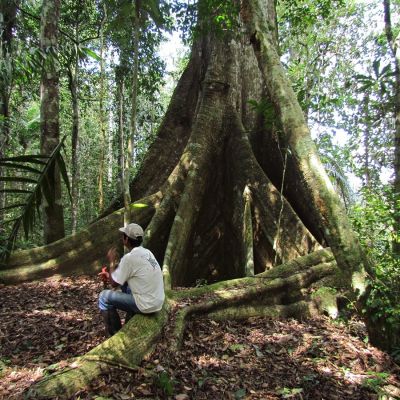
<point>112,322</point>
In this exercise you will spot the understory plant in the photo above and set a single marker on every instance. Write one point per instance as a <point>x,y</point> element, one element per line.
<point>373,219</point>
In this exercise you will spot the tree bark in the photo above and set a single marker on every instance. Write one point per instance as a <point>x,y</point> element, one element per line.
<point>102,117</point>
<point>73,72</point>
<point>121,136</point>
<point>8,11</point>
<point>53,216</point>
<point>332,216</point>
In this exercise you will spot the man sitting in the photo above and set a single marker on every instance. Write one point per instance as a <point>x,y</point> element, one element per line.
<point>141,271</point>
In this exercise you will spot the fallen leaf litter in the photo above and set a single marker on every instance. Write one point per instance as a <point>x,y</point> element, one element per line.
<point>50,321</point>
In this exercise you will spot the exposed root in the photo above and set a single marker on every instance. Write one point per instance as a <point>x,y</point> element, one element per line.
<point>248,234</point>
<point>279,292</point>
<point>300,309</point>
<point>126,348</point>
<point>83,252</point>
<point>282,291</point>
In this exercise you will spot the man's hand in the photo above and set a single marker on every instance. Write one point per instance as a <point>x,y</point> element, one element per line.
<point>104,275</point>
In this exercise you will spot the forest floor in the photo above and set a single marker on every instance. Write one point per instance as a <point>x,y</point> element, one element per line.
<point>46,322</point>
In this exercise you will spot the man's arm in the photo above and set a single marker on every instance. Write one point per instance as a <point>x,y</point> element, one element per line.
<point>113,258</point>
<point>105,274</point>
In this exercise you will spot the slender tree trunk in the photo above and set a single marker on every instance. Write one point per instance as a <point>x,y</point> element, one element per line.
<point>8,12</point>
<point>53,218</point>
<point>394,44</point>
<point>130,153</point>
<point>102,117</point>
<point>366,140</point>
<point>121,135</point>
<point>73,85</point>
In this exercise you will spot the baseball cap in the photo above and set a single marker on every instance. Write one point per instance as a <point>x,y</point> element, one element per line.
<point>132,230</point>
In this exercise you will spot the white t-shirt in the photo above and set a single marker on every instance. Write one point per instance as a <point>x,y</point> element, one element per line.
<point>144,276</point>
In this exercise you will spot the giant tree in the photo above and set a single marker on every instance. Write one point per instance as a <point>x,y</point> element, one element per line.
<point>232,186</point>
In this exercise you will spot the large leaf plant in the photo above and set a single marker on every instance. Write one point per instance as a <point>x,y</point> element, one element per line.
<point>38,181</point>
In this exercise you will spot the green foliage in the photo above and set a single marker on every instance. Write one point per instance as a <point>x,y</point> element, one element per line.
<point>373,220</point>
<point>289,393</point>
<point>37,181</point>
<point>165,383</point>
<point>240,394</point>
<point>195,18</point>
<point>376,381</point>
<point>304,13</point>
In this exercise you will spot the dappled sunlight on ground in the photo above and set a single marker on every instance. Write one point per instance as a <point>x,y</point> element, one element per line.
<point>47,322</point>
<point>43,323</point>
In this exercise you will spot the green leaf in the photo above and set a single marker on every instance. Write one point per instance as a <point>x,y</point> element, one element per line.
<point>19,167</point>
<point>239,394</point>
<point>15,191</point>
<point>375,66</point>
<point>236,347</point>
<point>91,53</point>
<point>64,174</point>
<point>34,158</point>
<point>16,179</point>
<point>139,205</point>
<point>31,208</point>
<point>12,206</point>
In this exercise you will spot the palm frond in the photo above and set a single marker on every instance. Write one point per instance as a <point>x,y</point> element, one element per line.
<point>16,179</point>
<point>339,179</point>
<point>43,185</point>
<point>15,191</point>
<point>21,167</point>
<point>33,158</point>
<point>10,207</point>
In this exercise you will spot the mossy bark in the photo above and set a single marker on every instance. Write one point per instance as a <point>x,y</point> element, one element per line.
<point>331,214</point>
<point>82,253</point>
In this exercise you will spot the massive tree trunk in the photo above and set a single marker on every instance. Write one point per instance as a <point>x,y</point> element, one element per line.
<point>53,215</point>
<point>230,193</point>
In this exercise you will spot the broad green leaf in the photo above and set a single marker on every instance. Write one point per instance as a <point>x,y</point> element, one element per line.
<point>90,53</point>
<point>31,208</point>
